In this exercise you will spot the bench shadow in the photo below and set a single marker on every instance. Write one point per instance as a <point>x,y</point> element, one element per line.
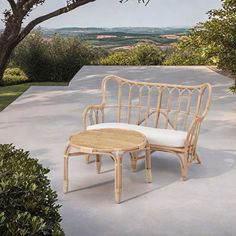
<point>91,186</point>
<point>214,163</point>
<point>166,170</point>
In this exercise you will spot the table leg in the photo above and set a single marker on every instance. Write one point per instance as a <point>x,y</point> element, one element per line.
<point>133,158</point>
<point>148,165</point>
<point>66,160</point>
<point>98,163</point>
<point>118,178</point>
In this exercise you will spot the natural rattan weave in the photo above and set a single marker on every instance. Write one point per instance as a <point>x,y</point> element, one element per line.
<point>167,106</point>
<point>108,140</point>
<point>111,142</point>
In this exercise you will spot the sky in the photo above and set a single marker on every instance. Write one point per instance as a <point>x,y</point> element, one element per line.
<point>111,13</point>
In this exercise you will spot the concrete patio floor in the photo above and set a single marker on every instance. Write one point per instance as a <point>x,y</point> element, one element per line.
<point>43,118</point>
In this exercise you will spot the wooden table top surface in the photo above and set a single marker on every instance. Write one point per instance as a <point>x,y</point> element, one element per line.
<point>109,140</point>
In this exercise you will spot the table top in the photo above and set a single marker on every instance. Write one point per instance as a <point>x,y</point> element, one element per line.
<point>108,140</point>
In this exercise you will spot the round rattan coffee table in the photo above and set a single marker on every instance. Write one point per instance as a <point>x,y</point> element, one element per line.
<point>111,142</point>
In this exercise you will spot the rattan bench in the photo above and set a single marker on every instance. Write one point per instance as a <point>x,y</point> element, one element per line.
<point>169,115</point>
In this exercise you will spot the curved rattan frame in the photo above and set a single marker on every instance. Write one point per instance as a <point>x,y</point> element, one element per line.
<point>116,154</point>
<point>186,154</point>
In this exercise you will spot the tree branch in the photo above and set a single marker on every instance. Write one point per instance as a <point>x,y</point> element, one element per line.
<point>21,3</point>
<point>12,4</point>
<point>144,2</point>
<point>48,16</point>
<point>139,1</point>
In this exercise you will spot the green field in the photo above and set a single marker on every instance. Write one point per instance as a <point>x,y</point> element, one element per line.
<point>121,37</point>
<point>121,40</point>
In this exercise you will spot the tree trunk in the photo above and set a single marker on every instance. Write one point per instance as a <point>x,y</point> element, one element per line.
<point>5,53</point>
<point>3,65</point>
<point>8,41</point>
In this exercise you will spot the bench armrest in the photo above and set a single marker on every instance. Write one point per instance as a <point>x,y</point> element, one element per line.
<point>93,113</point>
<point>193,133</point>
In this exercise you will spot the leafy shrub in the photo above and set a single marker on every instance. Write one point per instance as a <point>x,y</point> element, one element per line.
<point>27,203</point>
<point>68,55</point>
<point>192,51</point>
<point>14,76</point>
<point>55,59</point>
<point>119,58</point>
<point>33,57</point>
<point>141,54</point>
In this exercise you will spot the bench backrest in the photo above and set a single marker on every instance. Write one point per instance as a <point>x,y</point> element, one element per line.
<point>155,104</point>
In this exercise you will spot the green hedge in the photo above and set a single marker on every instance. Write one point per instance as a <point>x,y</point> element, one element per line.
<point>14,76</point>
<point>27,202</point>
<point>141,54</point>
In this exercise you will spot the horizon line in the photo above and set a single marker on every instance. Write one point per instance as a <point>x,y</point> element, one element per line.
<point>115,27</point>
<point>104,27</point>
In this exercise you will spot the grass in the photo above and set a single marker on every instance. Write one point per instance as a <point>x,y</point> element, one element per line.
<point>9,93</point>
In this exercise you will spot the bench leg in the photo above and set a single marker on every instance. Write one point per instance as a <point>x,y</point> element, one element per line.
<point>118,178</point>
<point>184,167</point>
<point>98,163</point>
<point>197,158</point>
<point>148,165</point>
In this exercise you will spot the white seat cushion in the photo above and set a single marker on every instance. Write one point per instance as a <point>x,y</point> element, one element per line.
<point>155,136</point>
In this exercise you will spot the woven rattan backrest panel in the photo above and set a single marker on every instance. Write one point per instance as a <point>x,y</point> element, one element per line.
<point>154,104</point>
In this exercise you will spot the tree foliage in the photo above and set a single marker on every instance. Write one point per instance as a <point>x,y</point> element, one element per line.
<point>211,42</point>
<point>192,50</point>
<point>220,30</point>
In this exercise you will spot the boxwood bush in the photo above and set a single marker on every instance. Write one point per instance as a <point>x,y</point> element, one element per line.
<point>27,202</point>
<point>14,76</point>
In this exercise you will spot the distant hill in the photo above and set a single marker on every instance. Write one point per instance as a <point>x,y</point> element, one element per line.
<point>132,30</point>
<point>121,37</point>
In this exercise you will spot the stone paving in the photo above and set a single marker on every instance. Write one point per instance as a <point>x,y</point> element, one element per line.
<point>42,119</point>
